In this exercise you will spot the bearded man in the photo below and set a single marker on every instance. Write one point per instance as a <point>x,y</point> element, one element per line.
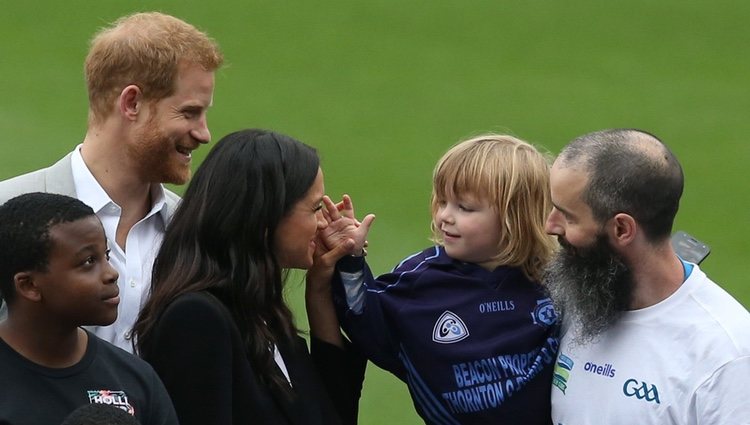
<point>648,338</point>
<point>150,81</point>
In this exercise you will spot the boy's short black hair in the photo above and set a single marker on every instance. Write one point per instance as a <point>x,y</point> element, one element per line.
<point>24,233</point>
<point>100,414</point>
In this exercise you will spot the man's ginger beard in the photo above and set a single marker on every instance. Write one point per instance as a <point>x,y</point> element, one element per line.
<point>153,151</point>
<point>591,285</point>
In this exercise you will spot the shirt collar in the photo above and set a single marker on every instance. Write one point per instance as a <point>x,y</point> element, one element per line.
<point>159,199</point>
<point>500,274</point>
<point>91,192</point>
<point>88,189</point>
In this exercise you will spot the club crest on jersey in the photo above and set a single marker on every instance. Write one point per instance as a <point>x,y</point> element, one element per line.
<point>544,313</point>
<point>563,368</point>
<point>449,328</point>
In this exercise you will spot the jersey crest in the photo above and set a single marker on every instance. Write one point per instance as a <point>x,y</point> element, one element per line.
<point>544,313</point>
<point>449,328</point>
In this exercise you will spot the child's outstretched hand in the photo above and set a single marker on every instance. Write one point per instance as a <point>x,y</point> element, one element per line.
<point>343,226</point>
<point>343,236</point>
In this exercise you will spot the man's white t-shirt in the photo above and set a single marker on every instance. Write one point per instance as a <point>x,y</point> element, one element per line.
<point>685,360</point>
<point>135,262</point>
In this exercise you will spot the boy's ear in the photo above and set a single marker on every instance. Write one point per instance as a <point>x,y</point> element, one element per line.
<point>26,286</point>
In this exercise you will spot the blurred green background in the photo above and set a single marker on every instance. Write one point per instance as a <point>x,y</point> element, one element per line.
<point>383,88</point>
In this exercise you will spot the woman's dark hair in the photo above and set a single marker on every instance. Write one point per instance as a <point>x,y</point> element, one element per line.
<point>221,239</point>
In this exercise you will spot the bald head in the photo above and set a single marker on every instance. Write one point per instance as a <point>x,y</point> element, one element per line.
<point>629,171</point>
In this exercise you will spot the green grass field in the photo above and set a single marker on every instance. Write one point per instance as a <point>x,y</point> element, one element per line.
<point>383,88</point>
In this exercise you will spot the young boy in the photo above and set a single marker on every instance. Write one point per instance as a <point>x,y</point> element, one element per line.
<point>55,277</point>
<point>465,323</point>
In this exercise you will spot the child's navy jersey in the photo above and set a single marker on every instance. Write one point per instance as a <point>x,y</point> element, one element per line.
<point>473,346</point>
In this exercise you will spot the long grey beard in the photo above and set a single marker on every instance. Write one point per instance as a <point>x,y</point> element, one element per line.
<point>590,285</point>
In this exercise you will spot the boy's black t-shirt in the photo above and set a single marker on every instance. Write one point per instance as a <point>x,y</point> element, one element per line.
<point>36,395</point>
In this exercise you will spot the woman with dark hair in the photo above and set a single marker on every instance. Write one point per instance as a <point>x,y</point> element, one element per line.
<point>216,327</point>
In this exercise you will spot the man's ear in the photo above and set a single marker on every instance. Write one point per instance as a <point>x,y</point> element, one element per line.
<point>130,102</point>
<point>623,229</point>
<point>26,286</point>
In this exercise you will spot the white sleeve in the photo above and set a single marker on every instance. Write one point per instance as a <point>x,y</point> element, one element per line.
<point>724,398</point>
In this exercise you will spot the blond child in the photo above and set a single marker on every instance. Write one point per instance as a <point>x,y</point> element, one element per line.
<point>465,323</point>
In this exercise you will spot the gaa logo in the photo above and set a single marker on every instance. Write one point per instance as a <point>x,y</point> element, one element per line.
<point>449,328</point>
<point>641,390</point>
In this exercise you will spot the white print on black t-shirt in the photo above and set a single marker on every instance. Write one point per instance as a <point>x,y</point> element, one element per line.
<point>113,398</point>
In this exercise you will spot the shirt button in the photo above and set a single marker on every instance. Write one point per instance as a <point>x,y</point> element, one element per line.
<point>132,283</point>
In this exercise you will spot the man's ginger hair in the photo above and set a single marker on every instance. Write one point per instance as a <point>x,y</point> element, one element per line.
<point>147,50</point>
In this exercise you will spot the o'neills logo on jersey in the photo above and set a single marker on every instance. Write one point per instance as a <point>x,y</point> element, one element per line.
<point>605,370</point>
<point>113,398</point>
<point>449,328</point>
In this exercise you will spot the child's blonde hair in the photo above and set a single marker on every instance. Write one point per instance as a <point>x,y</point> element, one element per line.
<point>512,176</point>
